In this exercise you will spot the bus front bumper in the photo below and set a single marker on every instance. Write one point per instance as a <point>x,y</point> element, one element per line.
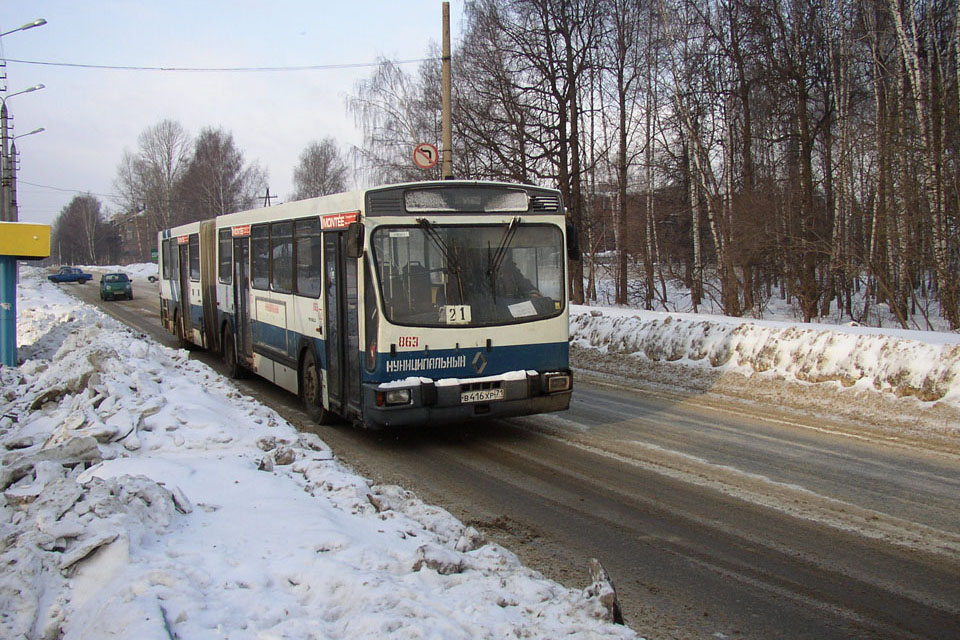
<point>419,401</point>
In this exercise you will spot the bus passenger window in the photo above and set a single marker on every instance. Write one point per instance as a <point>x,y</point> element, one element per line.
<point>195,257</point>
<point>260,248</point>
<point>175,261</point>
<point>309,264</point>
<point>281,250</point>
<point>165,257</point>
<point>225,266</point>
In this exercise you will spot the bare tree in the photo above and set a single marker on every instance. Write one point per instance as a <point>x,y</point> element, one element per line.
<point>321,171</point>
<point>217,180</point>
<point>626,66</point>
<point>80,233</point>
<point>147,179</point>
<point>394,114</point>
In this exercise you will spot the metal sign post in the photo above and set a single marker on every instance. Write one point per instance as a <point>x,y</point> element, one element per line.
<point>18,241</point>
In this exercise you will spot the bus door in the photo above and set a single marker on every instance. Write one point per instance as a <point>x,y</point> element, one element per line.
<point>241,298</point>
<point>186,323</point>
<point>342,337</point>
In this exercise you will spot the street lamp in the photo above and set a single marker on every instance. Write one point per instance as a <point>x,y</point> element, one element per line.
<point>39,22</point>
<point>29,133</point>
<point>6,210</point>
<point>35,87</point>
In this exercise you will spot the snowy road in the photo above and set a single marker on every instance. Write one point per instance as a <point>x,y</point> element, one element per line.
<point>714,519</point>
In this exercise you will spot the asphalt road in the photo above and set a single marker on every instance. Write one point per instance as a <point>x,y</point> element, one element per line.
<point>714,520</point>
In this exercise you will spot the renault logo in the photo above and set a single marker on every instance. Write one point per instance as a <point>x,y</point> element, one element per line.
<point>479,363</point>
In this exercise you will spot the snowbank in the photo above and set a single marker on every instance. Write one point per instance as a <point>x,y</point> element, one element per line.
<point>144,497</point>
<point>906,363</point>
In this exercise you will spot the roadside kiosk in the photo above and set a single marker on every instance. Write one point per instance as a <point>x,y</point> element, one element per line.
<point>18,241</point>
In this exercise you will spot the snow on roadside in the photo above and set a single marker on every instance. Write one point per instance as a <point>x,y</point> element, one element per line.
<point>144,497</point>
<point>925,365</point>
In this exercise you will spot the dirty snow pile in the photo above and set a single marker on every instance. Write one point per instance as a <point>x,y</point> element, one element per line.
<point>906,363</point>
<point>144,497</point>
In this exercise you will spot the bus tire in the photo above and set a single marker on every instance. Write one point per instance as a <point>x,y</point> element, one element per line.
<point>311,389</point>
<point>234,370</point>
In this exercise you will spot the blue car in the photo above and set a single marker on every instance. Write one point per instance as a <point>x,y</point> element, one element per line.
<point>70,274</point>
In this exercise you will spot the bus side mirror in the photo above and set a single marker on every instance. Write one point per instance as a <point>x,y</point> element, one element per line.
<point>354,240</point>
<point>573,242</point>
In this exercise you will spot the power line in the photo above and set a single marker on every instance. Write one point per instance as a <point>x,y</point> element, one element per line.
<point>313,67</point>
<point>46,186</point>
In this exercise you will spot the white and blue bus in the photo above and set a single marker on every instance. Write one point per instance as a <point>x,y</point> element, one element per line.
<point>407,304</point>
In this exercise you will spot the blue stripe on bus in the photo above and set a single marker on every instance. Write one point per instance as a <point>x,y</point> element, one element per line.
<point>470,363</point>
<point>436,364</point>
<point>274,337</point>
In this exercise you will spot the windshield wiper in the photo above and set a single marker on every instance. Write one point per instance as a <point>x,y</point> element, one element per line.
<point>501,253</point>
<point>496,260</point>
<point>452,261</point>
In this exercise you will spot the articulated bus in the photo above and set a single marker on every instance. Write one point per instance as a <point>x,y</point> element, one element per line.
<point>408,304</point>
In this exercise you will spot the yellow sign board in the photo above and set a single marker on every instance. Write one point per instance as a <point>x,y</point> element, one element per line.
<point>24,240</point>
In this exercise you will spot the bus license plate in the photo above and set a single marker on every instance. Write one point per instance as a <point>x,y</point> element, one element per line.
<point>483,395</point>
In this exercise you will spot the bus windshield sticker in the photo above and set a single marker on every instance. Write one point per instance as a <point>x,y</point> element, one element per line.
<point>399,234</point>
<point>455,314</point>
<point>522,309</point>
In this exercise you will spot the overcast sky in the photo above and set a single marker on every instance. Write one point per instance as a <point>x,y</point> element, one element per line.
<point>92,115</point>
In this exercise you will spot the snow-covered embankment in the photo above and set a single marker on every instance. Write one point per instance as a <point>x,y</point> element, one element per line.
<point>905,363</point>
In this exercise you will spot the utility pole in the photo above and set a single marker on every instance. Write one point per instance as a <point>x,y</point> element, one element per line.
<point>447,142</point>
<point>5,213</point>
<point>12,209</point>
<point>267,198</point>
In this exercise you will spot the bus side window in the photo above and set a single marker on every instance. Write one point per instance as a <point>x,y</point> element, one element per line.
<point>165,256</point>
<point>225,271</point>
<point>175,261</point>
<point>309,244</point>
<point>260,248</point>
<point>281,252</point>
<point>195,257</point>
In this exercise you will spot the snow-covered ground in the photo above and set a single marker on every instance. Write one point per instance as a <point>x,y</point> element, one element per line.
<point>144,497</point>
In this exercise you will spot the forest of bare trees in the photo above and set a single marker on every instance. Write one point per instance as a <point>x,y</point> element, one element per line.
<point>170,179</point>
<point>746,148</point>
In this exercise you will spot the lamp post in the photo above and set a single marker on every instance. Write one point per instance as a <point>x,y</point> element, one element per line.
<point>5,197</point>
<point>17,240</point>
<point>39,22</point>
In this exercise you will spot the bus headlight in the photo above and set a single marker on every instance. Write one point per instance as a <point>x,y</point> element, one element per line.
<point>557,382</point>
<point>393,397</point>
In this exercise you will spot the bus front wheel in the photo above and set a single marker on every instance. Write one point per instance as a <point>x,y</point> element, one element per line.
<point>311,390</point>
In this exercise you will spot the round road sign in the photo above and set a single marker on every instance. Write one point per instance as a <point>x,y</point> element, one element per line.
<point>425,155</point>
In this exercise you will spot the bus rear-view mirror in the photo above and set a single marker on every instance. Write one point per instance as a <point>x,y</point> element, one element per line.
<point>354,240</point>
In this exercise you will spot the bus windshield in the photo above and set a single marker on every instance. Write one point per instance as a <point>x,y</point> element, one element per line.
<point>469,275</point>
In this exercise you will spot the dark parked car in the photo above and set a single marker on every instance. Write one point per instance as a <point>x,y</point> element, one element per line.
<point>70,274</point>
<point>115,285</point>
